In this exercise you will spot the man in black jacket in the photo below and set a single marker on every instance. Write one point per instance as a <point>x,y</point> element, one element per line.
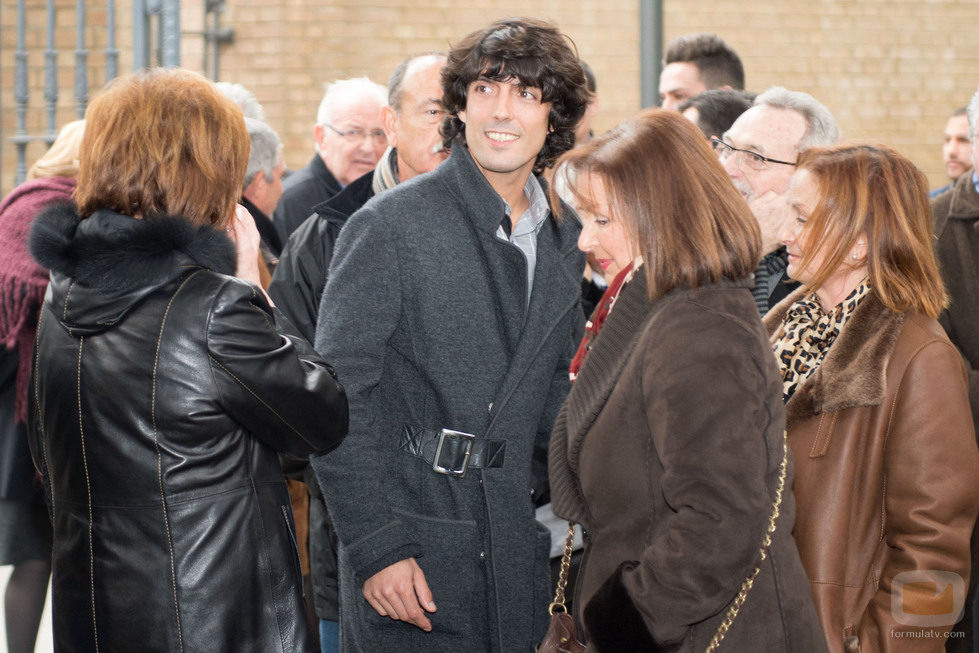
<point>349,141</point>
<point>411,121</point>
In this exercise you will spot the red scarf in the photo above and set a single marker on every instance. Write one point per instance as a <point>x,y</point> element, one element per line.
<point>22,281</point>
<point>598,318</point>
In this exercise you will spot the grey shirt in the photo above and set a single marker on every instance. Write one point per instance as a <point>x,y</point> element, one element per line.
<point>524,234</point>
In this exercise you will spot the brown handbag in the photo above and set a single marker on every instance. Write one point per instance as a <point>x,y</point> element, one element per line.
<point>561,636</point>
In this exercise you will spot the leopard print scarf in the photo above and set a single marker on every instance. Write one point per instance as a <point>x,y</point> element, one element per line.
<point>807,333</point>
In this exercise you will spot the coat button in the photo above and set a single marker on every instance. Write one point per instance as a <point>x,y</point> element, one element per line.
<point>482,555</point>
<point>490,409</point>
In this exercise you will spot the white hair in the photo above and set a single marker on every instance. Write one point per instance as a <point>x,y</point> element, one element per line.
<point>344,91</point>
<point>821,129</point>
<point>245,99</point>
<point>972,110</point>
<point>265,152</point>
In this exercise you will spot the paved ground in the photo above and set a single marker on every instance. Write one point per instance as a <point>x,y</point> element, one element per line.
<point>44,642</point>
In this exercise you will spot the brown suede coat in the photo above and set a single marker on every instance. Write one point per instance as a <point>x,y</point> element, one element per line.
<point>668,451</point>
<point>887,473</point>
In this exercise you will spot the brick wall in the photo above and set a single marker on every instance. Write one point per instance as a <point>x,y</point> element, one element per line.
<point>890,71</point>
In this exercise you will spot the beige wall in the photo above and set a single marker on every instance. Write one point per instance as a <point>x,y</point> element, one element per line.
<point>890,71</point>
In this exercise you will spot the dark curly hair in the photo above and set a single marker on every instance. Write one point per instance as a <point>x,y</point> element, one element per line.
<point>532,51</point>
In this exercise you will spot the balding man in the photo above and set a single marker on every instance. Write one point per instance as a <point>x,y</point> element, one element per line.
<point>349,139</point>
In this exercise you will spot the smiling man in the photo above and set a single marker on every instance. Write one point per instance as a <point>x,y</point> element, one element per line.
<point>451,313</point>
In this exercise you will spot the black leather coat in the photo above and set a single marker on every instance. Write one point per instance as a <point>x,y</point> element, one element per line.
<point>161,390</point>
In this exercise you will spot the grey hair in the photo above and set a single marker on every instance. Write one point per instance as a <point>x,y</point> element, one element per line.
<point>345,90</point>
<point>245,99</point>
<point>973,110</point>
<point>821,130</point>
<point>265,152</point>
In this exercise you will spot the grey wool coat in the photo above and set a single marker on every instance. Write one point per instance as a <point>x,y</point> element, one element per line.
<point>426,318</point>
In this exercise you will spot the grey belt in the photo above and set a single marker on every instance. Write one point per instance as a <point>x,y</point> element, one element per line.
<point>450,452</point>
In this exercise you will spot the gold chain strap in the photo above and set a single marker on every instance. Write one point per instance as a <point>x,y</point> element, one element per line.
<point>558,604</point>
<point>739,600</point>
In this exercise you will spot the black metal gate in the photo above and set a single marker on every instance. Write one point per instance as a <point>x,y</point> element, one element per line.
<point>68,48</point>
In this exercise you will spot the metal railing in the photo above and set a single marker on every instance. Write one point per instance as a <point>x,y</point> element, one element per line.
<point>156,38</point>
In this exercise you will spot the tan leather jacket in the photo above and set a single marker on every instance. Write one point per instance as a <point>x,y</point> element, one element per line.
<point>887,476</point>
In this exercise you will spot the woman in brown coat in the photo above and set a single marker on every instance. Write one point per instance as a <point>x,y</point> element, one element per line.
<point>670,449</point>
<point>877,405</point>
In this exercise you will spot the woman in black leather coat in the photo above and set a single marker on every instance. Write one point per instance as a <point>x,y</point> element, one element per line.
<point>163,387</point>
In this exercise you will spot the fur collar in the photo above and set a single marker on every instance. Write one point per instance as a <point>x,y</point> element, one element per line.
<point>109,250</point>
<point>105,265</point>
<point>853,372</point>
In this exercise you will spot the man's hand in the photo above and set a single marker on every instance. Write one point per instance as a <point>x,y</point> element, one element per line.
<point>771,210</point>
<point>400,592</point>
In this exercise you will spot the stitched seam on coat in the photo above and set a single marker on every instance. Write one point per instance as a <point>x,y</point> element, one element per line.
<point>159,461</point>
<point>826,582</point>
<point>64,312</point>
<point>88,488</point>
<point>262,401</point>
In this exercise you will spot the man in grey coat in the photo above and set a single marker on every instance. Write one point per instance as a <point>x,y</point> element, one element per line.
<point>451,313</point>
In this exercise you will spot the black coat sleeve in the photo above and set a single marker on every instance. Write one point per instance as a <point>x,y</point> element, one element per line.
<point>270,379</point>
<point>300,276</point>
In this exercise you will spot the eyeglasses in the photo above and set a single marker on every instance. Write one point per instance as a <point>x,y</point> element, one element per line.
<point>358,134</point>
<point>754,160</point>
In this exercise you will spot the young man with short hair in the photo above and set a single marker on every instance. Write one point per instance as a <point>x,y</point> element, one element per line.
<point>451,313</point>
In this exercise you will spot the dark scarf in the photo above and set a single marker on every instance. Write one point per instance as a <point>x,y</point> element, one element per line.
<point>22,281</point>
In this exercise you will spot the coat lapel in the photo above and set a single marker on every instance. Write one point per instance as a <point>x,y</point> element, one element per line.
<point>556,291</point>
<point>610,351</point>
<point>853,372</point>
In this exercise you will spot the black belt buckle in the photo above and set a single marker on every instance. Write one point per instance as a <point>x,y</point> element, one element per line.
<point>467,440</point>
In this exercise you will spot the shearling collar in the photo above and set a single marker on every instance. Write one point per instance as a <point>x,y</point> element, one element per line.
<point>853,372</point>
<point>101,267</point>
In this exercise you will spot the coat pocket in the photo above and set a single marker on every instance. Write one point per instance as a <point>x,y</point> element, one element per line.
<point>450,563</point>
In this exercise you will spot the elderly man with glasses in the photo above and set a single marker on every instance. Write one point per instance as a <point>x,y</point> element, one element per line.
<point>349,138</point>
<point>759,152</point>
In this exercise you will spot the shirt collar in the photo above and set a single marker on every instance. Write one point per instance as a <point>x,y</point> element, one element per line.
<point>534,216</point>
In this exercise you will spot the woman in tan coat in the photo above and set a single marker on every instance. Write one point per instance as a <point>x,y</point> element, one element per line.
<point>877,406</point>
<point>669,450</point>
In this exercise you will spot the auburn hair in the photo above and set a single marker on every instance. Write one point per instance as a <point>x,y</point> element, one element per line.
<point>163,142</point>
<point>664,182</point>
<point>875,193</point>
